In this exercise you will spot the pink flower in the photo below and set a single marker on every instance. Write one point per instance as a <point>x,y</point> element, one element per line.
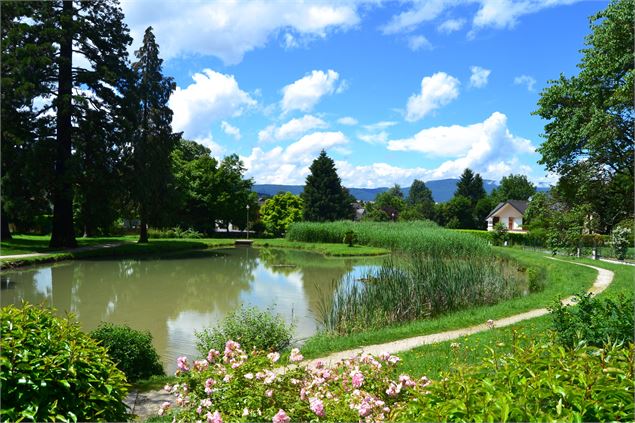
<point>208,386</point>
<point>231,346</point>
<point>269,393</point>
<point>364,409</point>
<point>425,381</point>
<point>407,381</point>
<point>319,364</point>
<point>181,363</point>
<point>227,378</point>
<point>317,406</point>
<point>295,355</point>
<point>269,377</point>
<point>201,365</point>
<point>281,417</point>
<point>167,388</point>
<point>302,394</point>
<point>212,355</point>
<point>214,418</point>
<point>490,323</point>
<point>249,376</point>
<point>274,357</point>
<point>357,378</point>
<point>394,389</point>
<point>384,356</point>
<point>164,407</point>
<point>393,359</point>
<point>245,411</point>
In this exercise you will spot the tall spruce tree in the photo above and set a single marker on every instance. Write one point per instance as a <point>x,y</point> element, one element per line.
<point>470,186</point>
<point>58,30</point>
<point>154,140</point>
<point>324,197</point>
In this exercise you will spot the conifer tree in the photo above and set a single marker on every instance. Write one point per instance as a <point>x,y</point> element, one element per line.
<point>324,197</point>
<point>154,140</point>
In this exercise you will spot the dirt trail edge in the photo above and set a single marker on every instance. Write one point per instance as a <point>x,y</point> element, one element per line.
<point>146,404</point>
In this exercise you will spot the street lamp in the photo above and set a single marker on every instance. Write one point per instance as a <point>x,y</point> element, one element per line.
<point>247,207</point>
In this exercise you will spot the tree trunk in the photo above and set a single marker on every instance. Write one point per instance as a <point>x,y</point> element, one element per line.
<point>143,231</point>
<point>6,232</point>
<point>63,229</point>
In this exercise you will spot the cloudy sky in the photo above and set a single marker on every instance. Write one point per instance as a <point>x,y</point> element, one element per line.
<point>392,90</point>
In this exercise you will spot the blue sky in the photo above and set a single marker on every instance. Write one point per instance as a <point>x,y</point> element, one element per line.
<point>392,90</point>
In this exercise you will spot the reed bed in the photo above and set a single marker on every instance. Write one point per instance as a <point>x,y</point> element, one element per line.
<point>419,287</point>
<point>419,237</point>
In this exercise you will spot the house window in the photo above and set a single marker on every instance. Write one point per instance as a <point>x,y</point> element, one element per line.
<point>495,220</point>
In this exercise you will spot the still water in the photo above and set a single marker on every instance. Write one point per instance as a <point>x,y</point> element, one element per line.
<point>174,296</point>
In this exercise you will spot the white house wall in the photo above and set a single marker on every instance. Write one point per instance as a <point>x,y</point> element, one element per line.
<point>503,215</point>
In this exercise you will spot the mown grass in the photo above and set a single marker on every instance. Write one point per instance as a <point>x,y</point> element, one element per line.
<point>561,280</point>
<point>26,244</point>
<point>327,249</point>
<point>421,237</point>
<point>431,360</point>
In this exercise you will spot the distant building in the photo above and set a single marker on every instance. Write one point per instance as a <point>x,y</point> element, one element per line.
<point>510,213</point>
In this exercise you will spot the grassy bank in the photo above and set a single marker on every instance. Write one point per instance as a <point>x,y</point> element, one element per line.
<point>431,360</point>
<point>27,244</point>
<point>562,279</point>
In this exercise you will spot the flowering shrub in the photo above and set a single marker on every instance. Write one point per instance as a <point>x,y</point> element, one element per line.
<point>235,386</point>
<point>620,241</point>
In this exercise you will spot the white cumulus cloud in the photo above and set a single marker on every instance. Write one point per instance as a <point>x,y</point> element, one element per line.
<point>291,129</point>
<point>451,25</point>
<point>488,147</point>
<point>436,91</point>
<point>526,80</point>
<point>307,91</point>
<point>230,130</point>
<point>418,42</point>
<point>212,96</point>
<point>229,29</point>
<point>347,120</point>
<point>479,76</point>
<point>290,165</point>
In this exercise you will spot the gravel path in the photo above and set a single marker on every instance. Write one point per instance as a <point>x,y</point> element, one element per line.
<point>146,404</point>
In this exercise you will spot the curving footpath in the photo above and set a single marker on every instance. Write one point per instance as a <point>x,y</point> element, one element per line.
<point>146,404</point>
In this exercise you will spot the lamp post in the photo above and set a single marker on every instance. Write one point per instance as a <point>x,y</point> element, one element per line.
<point>247,207</point>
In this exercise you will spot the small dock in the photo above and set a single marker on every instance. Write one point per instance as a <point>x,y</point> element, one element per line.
<point>243,242</point>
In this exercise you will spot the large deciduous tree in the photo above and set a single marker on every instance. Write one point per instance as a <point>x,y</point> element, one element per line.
<point>280,211</point>
<point>589,133</point>
<point>514,187</point>
<point>324,197</point>
<point>154,140</point>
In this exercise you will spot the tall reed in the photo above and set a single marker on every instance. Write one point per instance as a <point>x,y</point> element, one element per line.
<point>419,287</point>
<point>420,237</point>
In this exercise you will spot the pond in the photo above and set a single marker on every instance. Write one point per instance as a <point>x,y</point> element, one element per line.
<point>176,295</point>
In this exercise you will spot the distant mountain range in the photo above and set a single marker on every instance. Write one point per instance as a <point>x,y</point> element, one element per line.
<point>442,190</point>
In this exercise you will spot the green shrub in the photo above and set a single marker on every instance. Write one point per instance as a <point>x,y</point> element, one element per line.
<point>593,320</point>
<point>50,370</point>
<point>500,234</point>
<point>620,241</point>
<point>175,232</point>
<point>535,382</point>
<point>253,328</point>
<point>131,349</point>
<point>349,238</point>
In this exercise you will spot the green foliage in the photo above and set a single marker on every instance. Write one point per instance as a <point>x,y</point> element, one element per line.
<point>131,350</point>
<point>458,213</point>
<point>50,370</point>
<point>350,238</point>
<point>173,233</point>
<point>423,237</point>
<point>419,288</point>
<point>500,234</point>
<point>470,186</point>
<point>513,187</point>
<point>324,197</point>
<point>387,206</point>
<point>594,321</point>
<point>620,241</point>
<point>280,211</point>
<point>253,328</point>
<point>589,134</point>
<point>535,382</point>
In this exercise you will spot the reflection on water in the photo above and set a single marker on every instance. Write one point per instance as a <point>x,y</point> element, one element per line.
<point>175,296</point>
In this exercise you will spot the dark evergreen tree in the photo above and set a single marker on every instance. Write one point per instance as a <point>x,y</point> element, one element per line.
<point>470,186</point>
<point>324,197</point>
<point>154,140</point>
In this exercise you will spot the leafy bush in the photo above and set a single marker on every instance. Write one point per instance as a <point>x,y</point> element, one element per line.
<point>253,328</point>
<point>175,232</point>
<point>350,238</point>
<point>280,211</point>
<point>131,349</point>
<point>500,234</point>
<point>50,370</point>
<point>620,241</point>
<point>536,382</point>
<point>593,320</point>
<point>234,386</point>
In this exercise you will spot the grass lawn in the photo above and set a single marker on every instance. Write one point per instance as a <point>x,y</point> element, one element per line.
<point>432,360</point>
<point>562,280</point>
<point>25,244</point>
